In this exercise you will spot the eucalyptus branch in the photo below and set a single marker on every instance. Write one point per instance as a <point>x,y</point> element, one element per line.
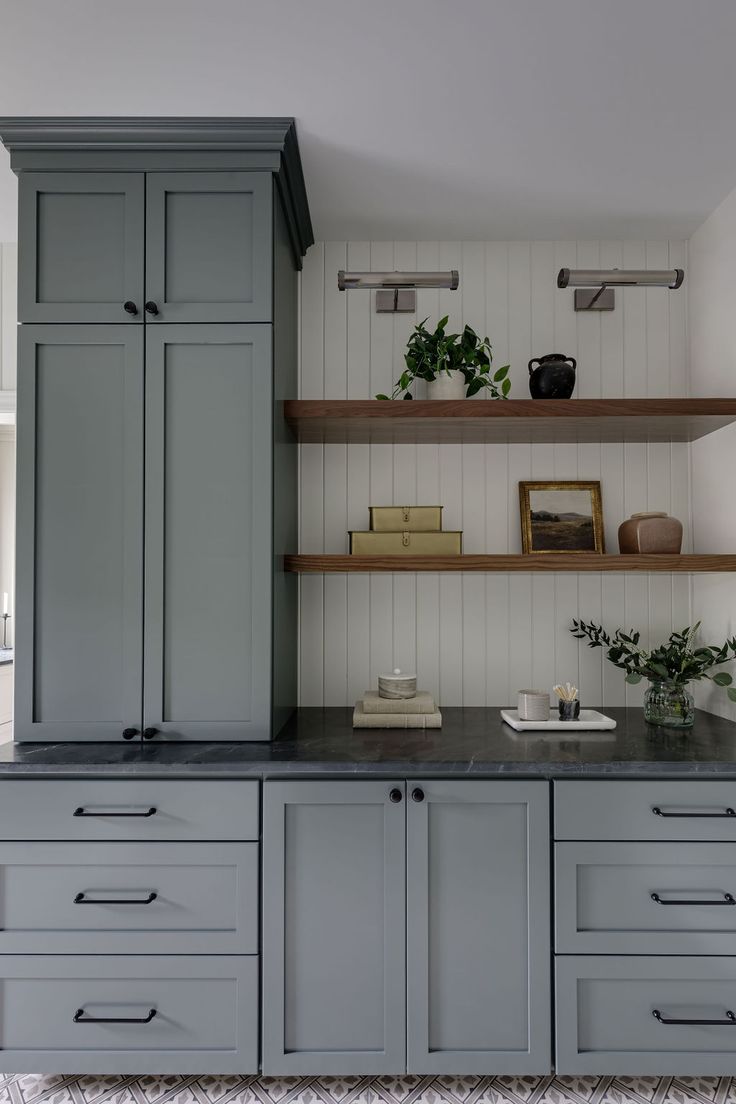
<point>677,661</point>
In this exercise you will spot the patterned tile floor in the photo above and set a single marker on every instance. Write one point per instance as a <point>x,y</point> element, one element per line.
<point>162,1089</point>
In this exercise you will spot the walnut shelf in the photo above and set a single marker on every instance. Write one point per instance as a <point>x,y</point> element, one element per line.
<point>551,562</point>
<point>475,421</point>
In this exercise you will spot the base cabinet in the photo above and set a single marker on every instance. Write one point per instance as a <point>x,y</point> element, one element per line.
<point>406,927</point>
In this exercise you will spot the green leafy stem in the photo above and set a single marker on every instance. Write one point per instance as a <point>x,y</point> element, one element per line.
<point>676,662</point>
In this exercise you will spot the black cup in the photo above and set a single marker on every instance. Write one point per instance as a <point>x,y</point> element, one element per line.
<point>570,710</point>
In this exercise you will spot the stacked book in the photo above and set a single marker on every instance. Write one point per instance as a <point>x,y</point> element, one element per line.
<point>406,530</point>
<point>373,711</point>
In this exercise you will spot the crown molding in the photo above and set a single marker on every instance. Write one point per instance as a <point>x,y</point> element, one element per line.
<point>28,138</point>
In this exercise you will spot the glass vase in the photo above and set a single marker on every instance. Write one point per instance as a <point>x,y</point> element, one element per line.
<point>669,705</point>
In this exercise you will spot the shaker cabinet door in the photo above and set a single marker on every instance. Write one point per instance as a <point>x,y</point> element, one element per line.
<point>208,247</point>
<point>208,533</point>
<point>333,928</point>
<point>478,941</point>
<point>80,532</point>
<point>81,247</point>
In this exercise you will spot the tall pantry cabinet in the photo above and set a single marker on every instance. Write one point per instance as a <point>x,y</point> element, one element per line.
<point>157,489</point>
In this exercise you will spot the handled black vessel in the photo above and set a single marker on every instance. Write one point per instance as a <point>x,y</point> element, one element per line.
<point>553,378</point>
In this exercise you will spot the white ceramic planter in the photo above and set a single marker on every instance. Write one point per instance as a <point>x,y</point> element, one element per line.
<point>447,385</point>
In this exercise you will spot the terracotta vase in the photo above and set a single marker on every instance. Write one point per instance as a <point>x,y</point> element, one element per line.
<point>650,534</point>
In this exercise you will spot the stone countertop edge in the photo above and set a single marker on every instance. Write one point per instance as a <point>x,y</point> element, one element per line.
<point>473,742</point>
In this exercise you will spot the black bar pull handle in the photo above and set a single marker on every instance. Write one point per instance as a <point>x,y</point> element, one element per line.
<point>728,812</point>
<point>79,1017</point>
<point>728,899</point>
<point>81,899</point>
<point>729,1021</point>
<point>82,812</point>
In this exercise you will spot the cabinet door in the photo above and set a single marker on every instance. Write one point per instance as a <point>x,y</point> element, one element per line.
<point>478,938</point>
<point>334,928</point>
<point>208,532</point>
<point>80,532</point>
<point>208,247</point>
<point>81,253</point>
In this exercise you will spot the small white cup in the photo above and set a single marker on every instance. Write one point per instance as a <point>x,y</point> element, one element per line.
<point>533,705</point>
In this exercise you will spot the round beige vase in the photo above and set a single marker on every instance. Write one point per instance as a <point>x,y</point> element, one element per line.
<point>447,385</point>
<point>650,534</point>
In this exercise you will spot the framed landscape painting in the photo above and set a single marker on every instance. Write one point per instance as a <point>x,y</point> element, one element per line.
<point>561,517</point>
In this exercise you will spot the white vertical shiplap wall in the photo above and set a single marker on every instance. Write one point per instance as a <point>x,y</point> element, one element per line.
<point>475,639</point>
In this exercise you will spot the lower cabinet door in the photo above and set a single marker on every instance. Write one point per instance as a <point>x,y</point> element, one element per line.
<point>621,1014</point>
<point>334,927</point>
<point>478,937</point>
<point>138,1014</point>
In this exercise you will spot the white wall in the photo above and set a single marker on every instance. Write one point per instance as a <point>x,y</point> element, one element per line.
<point>475,639</point>
<point>713,372</point>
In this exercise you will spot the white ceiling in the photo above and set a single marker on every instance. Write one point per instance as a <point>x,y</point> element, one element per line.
<point>420,119</point>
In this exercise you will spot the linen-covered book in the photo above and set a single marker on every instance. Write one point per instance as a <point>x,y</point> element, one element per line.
<point>422,702</point>
<point>395,720</point>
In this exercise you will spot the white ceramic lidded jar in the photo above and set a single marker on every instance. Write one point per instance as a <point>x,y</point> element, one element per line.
<point>397,685</point>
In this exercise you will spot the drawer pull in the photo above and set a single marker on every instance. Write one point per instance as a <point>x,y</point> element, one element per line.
<point>79,1017</point>
<point>80,899</point>
<point>81,812</point>
<point>725,813</point>
<point>727,900</point>
<point>730,1020</point>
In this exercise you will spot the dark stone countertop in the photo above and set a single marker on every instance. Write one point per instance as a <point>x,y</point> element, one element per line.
<point>472,742</point>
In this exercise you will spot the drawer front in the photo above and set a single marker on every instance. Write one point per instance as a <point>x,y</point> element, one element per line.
<point>205,1014</point>
<point>150,810</point>
<point>645,898</point>
<point>645,810</point>
<point>129,898</point>
<point>606,1022</point>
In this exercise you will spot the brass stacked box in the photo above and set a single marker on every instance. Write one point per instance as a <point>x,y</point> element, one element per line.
<point>406,530</point>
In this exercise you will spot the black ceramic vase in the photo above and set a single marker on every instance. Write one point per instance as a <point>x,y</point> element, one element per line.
<point>553,378</point>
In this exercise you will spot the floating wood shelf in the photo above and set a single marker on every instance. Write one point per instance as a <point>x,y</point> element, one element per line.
<point>468,421</point>
<point>549,562</point>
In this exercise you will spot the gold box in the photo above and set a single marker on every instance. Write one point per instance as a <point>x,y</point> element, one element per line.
<point>406,544</point>
<point>405,519</point>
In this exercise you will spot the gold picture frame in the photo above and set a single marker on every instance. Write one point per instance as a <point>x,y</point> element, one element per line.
<point>574,526</point>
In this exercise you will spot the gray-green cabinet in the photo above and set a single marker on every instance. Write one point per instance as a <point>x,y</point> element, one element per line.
<point>205,254</point>
<point>478,953</point>
<point>81,246</point>
<point>457,971</point>
<point>158,265</point>
<point>334,928</point>
<point>208,543</point>
<point>80,532</point>
<point>208,246</point>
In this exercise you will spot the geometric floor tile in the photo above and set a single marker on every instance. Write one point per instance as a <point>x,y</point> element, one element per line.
<point>34,1088</point>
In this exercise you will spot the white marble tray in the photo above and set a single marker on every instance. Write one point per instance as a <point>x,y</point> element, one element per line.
<point>589,719</point>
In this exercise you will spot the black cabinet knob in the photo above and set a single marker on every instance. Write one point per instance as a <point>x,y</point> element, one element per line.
<point>130,733</point>
<point>417,794</point>
<point>151,307</point>
<point>395,795</point>
<point>149,733</point>
<point>129,307</point>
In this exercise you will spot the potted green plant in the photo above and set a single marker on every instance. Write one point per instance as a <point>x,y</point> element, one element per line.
<point>669,667</point>
<point>454,365</point>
